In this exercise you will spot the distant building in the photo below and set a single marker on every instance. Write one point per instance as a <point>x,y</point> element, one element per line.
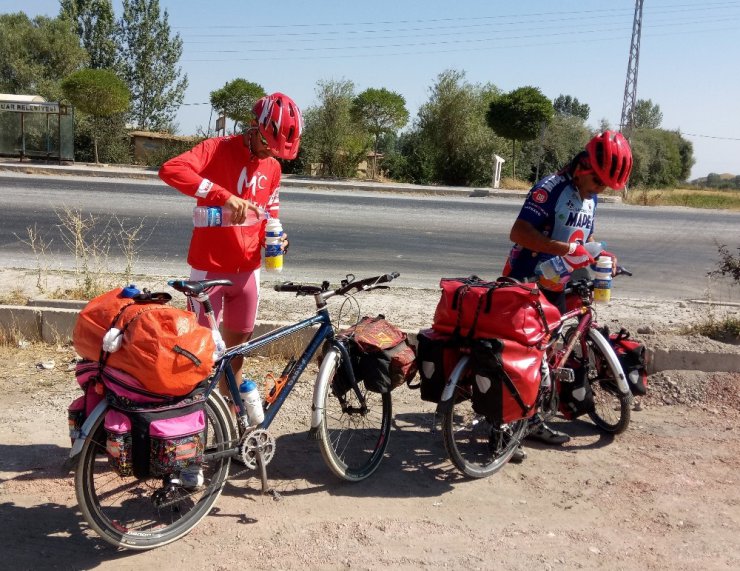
<point>147,144</point>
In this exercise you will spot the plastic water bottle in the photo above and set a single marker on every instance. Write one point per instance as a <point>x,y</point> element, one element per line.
<point>192,477</point>
<point>252,403</point>
<point>130,291</point>
<point>204,216</point>
<point>603,279</point>
<point>273,245</point>
<point>554,271</point>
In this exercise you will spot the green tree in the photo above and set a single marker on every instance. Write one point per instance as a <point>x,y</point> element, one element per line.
<point>96,27</point>
<point>333,143</point>
<point>647,115</point>
<point>570,106</point>
<point>149,64</point>
<point>519,115</point>
<point>380,111</point>
<point>236,99</point>
<point>99,93</point>
<point>564,138</point>
<point>36,54</point>
<point>661,158</point>
<point>449,142</point>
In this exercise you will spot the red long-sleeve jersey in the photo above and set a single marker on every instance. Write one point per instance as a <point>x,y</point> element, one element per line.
<point>211,172</point>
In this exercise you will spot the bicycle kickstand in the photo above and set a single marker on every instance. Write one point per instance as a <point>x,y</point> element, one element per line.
<point>263,476</point>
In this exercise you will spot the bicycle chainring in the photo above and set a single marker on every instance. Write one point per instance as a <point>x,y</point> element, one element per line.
<point>257,440</point>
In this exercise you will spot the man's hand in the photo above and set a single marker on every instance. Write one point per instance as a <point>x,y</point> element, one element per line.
<point>577,257</point>
<point>239,208</point>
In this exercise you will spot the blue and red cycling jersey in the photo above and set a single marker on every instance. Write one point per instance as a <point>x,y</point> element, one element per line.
<point>555,208</point>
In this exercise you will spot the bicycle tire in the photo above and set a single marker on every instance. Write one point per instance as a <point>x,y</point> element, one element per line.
<point>353,441</point>
<point>473,444</point>
<point>121,510</point>
<point>612,408</point>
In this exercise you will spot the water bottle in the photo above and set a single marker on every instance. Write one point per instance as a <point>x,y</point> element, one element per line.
<point>252,403</point>
<point>192,477</point>
<point>129,291</point>
<point>273,245</point>
<point>204,216</point>
<point>555,272</point>
<point>603,279</point>
<point>552,272</point>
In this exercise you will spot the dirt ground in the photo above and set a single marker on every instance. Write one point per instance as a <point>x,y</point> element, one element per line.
<point>663,495</point>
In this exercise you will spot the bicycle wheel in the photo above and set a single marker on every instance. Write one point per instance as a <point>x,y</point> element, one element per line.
<point>146,513</point>
<point>612,408</point>
<point>353,439</point>
<point>476,447</point>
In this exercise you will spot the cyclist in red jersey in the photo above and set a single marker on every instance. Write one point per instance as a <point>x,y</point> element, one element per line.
<point>238,173</point>
<point>557,218</point>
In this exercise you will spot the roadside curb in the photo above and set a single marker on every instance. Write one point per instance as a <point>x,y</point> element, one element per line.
<point>287,181</point>
<point>52,321</point>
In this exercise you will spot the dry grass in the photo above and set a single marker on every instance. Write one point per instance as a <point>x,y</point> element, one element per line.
<point>719,199</point>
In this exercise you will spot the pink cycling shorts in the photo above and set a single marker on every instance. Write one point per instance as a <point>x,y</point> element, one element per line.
<point>236,304</point>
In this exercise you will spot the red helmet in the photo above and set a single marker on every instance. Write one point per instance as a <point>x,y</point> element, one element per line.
<point>611,158</point>
<point>280,122</point>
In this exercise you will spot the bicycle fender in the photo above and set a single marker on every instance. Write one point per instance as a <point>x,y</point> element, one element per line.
<point>101,407</point>
<point>457,372</point>
<point>328,364</point>
<point>606,348</point>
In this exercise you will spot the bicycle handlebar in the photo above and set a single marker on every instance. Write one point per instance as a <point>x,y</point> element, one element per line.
<point>588,284</point>
<point>347,285</point>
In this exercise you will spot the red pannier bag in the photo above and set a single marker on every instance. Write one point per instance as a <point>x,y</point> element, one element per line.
<point>507,379</point>
<point>477,309</point>
<point>162,346</point>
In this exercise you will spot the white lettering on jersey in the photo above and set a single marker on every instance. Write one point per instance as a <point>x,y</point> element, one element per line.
<point>251,185</point>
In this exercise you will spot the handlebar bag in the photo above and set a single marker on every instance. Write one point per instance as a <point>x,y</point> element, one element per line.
<point>436,356</point>
<point>162,346</point>
<point>507,379</point>
<point>382,356</point>
<point>477,309</point>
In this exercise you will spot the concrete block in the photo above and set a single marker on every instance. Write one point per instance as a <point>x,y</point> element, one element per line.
<point>57,325</point>
<point>21,320</point>
<point>679,359</point>
<point>58,303</point>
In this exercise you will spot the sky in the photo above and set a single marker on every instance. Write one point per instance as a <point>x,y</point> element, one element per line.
<point>689,60</point>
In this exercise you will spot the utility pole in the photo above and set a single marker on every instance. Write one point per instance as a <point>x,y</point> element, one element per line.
<point>630,84</point>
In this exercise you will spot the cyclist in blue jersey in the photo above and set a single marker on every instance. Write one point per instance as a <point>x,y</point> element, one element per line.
<point>557,218</point>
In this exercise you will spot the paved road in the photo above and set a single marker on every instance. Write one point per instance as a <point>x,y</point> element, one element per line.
<point>670,250</point>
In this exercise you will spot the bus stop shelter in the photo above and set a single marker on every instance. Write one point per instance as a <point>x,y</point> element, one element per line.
<point>31,127</point>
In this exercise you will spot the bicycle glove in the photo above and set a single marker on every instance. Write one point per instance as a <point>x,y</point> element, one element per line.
<point>577,257</point>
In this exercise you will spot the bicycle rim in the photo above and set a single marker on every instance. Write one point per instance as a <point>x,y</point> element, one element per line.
<point>140,513</point>
<point>612,409</point>
<point>475,446</point>
<point>353,440</point>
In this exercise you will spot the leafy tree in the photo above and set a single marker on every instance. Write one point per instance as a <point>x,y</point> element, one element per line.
<point>570,106</point>
<point>332,141</point>
<point>647,115</point>
<point>564,138</point>
<point>97,92</point>
<point>449,142</point>
<point>519,115</point>
<point>96,27</point>
<point>148,64</point>
<point>36,54</point>
<point>661,158</point>
<point>236,99</point>
<point>380,111</point>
